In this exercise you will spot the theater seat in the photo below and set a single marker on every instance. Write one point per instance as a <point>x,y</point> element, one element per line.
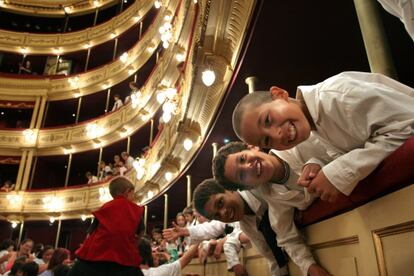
<point>394,172</point>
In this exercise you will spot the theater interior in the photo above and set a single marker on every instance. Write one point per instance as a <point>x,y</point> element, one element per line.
<point>179,68</point>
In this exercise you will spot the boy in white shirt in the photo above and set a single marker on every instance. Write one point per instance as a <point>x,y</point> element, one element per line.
<point>358,118</point>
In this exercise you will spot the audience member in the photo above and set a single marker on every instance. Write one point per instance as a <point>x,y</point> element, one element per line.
<point>117,102</point>
<point>129,160</point>
<point>43,257</point>
<point>91,178</point>
<point>61,256</point>
<point>26,67</point>
<point>150,261</point>
<point>7,186</point>
<point>189,216</point>
<point>111,246</point>
<point>6,249</point>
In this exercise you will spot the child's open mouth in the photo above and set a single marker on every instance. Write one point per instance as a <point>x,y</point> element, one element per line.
<point>291,132</point>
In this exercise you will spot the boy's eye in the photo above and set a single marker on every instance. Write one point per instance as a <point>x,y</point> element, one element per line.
<point>220,203</point>
<point>242,159</point>
<point>267,120</point>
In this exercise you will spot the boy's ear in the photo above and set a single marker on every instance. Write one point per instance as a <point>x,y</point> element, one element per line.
<point>278,93</point>
<point>252,147</point>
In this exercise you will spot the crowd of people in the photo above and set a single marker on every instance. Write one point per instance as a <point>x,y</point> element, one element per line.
<point>121,164</point>
<point>29,259</point>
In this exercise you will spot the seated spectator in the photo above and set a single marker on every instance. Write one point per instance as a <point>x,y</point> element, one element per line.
<point>30,269</point>
<point>189,216</point>
<point>91,178</point>
<point>117,102</point>
<point>156,235</point>
<point>16,269</point>
<point>104,169</point>
<point>150,261</point>
<point>129,160</point>
<point>26,67</point>
<point>61,256</point>
<point>119,167</point>
<point>43,257</point>
<point>23,253</point>
<point>6,249</point>
<point>7,186</point>
<point>182,242</point>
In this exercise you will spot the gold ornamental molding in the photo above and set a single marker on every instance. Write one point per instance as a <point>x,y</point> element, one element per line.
<point>333,243</point>
<point>378,234</point>
<point>54,8</point>
<point>217,24</point>
<point>61,43</point>
<point>112,127</point>
<point>92,81</point>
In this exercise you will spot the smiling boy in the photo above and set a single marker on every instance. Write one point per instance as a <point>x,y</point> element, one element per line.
<point>214,202</point>
<point>358,119</point>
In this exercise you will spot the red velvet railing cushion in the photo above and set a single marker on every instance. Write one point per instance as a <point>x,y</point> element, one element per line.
<point>395,172</point>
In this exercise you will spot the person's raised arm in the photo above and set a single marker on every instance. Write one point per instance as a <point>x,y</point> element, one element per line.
<point>188,255</point>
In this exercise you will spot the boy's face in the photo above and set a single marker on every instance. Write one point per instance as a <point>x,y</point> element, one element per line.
<point>226,207</point>
<point>279,124</point>
<point>181,221</point>
<point>250,168</point>
<point>189,217</point>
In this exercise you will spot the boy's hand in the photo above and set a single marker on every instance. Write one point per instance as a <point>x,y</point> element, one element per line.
<point>174,232</point>
<point>323,187</point>
<point>317,270</point>
<point>309,172</point>
<point>219,248</point>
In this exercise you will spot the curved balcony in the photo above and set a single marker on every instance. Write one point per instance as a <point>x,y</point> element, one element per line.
<point>54,8</point>
<point>58,88</point>
<point>216,43</point>
<point>61,43</point>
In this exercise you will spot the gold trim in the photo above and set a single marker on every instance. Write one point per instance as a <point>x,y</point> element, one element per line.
<point>62,43</point>
<point>337,242</point>
<point>92,81</point>
<point>378,234</point>
<point>53,8</point>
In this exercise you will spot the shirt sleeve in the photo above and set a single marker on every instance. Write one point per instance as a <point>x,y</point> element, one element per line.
<point>173,269</point>
<point>288,236</point>
<point>374,110</point>
<point>231,249</point>
<point>207,230</point>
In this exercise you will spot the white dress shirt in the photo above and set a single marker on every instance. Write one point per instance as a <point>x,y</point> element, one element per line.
<point>360,119</point>
<point>118,104</point>
<point>404,10</point>
<point>172,269</point>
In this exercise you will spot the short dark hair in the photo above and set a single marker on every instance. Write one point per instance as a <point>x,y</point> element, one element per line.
<point>203,192</point>
<point>117,96</point>
<point>220,160</point>
<point>145,250</point>
<point>30,269</point>
<point>119,185</point>
<point>251,100</point>
<point>6,244</point>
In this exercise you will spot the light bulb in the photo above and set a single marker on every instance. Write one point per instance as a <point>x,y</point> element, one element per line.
<point>188,144</point>
<point>208,77</point>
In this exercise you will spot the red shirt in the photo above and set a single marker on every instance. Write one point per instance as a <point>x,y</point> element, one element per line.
<point>114,239</point>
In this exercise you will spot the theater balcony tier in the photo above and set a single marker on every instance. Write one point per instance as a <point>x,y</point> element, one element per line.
<point>61,43</point>
<point>53,8</point>
<point>59,88</point>
<point>112,126</point>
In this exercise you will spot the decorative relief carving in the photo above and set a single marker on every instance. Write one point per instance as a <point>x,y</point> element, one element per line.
<point>70,42</point>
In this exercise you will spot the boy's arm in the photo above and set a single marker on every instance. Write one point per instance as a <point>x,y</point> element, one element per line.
<point>288,236</point>
<point>199,232</point>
